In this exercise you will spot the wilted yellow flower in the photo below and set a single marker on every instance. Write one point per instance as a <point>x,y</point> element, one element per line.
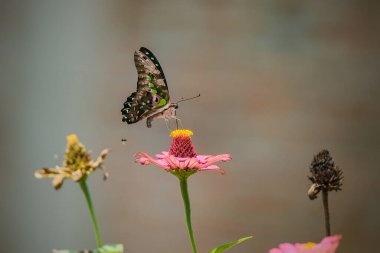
<point>76,165</point>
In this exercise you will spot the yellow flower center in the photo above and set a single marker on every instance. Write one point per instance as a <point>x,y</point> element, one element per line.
<point>72,139</point>
<point>309,245</point>
<point>181,133</point>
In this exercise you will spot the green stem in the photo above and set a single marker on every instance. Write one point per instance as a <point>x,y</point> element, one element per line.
<point>186,202</point>
<point>327,213</point>
<point>86,193</point>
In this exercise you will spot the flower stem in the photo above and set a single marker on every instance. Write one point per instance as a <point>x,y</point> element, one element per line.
<point>86,193</point>
<point>186,202</point>
<point>327,213</point>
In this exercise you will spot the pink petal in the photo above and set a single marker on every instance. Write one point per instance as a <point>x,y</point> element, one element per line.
<point>217,158</point>
<point>202,158</point>
<point>288,248</point>
<point>142,160</point>
<point>146,159</point>
<point>312,250</point>
<point>184,164</point>
<point>331,243</point>
<point>163,163</point>
<point>172,161</point>
<point>193,163</point>
<point>212,167</point>
<point>182,159</point>
<point>162,155</point>
<point>276,251</point>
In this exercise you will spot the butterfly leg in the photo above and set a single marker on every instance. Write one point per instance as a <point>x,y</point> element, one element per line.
<point>167,124</point>
<point>149,122</point>
<point>177,120</point>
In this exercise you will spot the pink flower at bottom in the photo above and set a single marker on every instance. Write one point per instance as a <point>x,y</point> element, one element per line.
<point>329,244</point>
<point>182,156</point>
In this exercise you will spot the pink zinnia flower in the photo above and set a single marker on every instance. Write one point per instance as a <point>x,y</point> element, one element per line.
<point>328,245</point>
<point>182,161</point>
<point>182,157</point>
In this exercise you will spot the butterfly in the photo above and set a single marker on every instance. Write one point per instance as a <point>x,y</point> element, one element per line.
<point>151,100</point>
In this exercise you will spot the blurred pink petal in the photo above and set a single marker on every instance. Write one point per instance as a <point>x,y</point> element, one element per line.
<point>275,251</point>
<point>288,248</point>
<point>331,243</point>
<point>327,245</point>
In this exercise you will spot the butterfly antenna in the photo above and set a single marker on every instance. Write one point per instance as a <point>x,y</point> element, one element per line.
<point>188,98</point>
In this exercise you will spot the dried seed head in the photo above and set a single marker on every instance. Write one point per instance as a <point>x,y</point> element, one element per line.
<point>77,164</point>
<point>77,157</point>
<point>325,175</point>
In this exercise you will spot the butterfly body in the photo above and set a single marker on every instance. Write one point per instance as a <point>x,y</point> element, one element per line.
<point>168,113</point>
<point>151,99</point>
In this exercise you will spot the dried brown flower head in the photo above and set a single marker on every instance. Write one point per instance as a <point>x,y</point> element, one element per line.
<point>76,166</point>
<point>325,175</point>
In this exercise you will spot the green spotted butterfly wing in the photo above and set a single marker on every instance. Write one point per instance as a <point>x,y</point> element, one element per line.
<point>152,94</point>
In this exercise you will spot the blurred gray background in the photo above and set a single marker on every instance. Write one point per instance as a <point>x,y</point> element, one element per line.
<point>279,81</point>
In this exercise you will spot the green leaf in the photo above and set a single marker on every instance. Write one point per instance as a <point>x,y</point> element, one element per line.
<point>228,245</point>
<point>111,248</point>
<point>115,248</point>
